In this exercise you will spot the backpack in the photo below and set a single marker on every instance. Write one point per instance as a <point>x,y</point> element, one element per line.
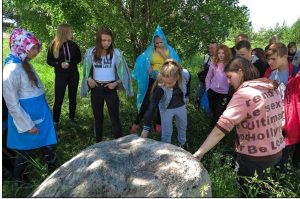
<point>292,110</point>
<point>202,74</point>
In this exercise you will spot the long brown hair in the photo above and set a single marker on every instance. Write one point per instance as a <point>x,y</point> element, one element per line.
<point>170,69</point>
<point>227,53</point>
<point>248,69</point>
<point>99,47</point>
<point>240,63</point>
<point>60,38</point>
<point>31,75</point>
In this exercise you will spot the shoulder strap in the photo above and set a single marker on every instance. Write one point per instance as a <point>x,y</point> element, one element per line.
<point>208,60</point>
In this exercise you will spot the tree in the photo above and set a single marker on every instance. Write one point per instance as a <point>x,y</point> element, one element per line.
<point>189,25</point>
<point>294,33</point>
<point>8,14</point>
<point>283,32</point>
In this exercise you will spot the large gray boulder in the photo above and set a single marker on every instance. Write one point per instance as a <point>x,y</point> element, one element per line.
<point>128,167</point>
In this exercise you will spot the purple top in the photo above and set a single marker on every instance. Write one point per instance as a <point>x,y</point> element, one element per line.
<point>216,79</point>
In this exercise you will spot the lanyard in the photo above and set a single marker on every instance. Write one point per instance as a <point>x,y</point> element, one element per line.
<point>67,60</point>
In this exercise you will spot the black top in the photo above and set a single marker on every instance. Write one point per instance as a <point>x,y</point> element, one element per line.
<point>291,56</point>
<point>74,57</point>
<point>157,95</point>
<point>176,100</point>
<point>261,67</point>
<point>188,86</point>
<point>233,51</point>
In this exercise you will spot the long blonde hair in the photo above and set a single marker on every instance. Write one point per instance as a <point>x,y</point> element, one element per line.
<point>60,38</point>
<point>170,69</point>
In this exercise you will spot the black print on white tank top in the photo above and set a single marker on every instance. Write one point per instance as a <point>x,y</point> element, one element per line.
<point>105,62</point>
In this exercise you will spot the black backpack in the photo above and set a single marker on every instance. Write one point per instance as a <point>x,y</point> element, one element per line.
<point>202,74</point>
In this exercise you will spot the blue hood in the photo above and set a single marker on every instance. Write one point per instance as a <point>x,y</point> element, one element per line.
<point>142,65</point>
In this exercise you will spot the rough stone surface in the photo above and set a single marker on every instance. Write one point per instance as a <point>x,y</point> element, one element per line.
<point>128,167</point>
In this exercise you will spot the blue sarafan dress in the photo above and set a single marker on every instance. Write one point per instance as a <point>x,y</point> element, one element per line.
<point>26,103</point>
<point>142,65</point>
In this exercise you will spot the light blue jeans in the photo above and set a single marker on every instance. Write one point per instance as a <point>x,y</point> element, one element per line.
<point>180,115</point>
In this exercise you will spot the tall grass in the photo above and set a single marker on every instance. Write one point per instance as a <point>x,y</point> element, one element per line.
<point>74,138</point>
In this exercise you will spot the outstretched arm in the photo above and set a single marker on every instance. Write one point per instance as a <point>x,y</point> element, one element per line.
<point>213,138</point>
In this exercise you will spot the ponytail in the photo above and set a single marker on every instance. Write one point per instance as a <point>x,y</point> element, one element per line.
<point>31,75</point>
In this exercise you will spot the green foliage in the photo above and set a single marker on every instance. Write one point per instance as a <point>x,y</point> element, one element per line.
<point>261,38</point>
<point>224,178</point>
<point>294,33</point>
<point>274,184</point>
<point>36,171</point>
<point>8,13</point>
<point>189,25</point>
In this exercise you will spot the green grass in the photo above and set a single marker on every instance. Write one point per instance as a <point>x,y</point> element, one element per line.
<point>74,138</point>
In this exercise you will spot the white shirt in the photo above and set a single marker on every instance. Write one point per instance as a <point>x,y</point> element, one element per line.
<point>207,59</point>
<point>16,86</point>
<point>104,70</point>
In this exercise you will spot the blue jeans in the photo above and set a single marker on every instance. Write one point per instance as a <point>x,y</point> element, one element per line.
<point>180,115</point>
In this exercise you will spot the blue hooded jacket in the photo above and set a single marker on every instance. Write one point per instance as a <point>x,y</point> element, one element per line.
<point>142,65</point>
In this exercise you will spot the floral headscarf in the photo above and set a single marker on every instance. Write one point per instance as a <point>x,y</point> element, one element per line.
<point>21,41</point>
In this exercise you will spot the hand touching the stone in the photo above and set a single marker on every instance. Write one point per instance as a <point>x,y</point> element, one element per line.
<point>198,155</point>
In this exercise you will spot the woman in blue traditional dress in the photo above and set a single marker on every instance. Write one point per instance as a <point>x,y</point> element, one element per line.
<point>145,71</point>
<point>30,124</point>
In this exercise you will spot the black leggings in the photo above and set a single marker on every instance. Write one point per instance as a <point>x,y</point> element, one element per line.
<point>98,96</point>
<point>145,105</point>
<point>23,157</point>
<point>8,155</point>
<point>247,168</point>
<point>61,83</point>
<point>217,104</point>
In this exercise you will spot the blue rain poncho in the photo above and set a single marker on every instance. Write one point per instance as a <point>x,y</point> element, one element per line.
<point>142,65</point>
